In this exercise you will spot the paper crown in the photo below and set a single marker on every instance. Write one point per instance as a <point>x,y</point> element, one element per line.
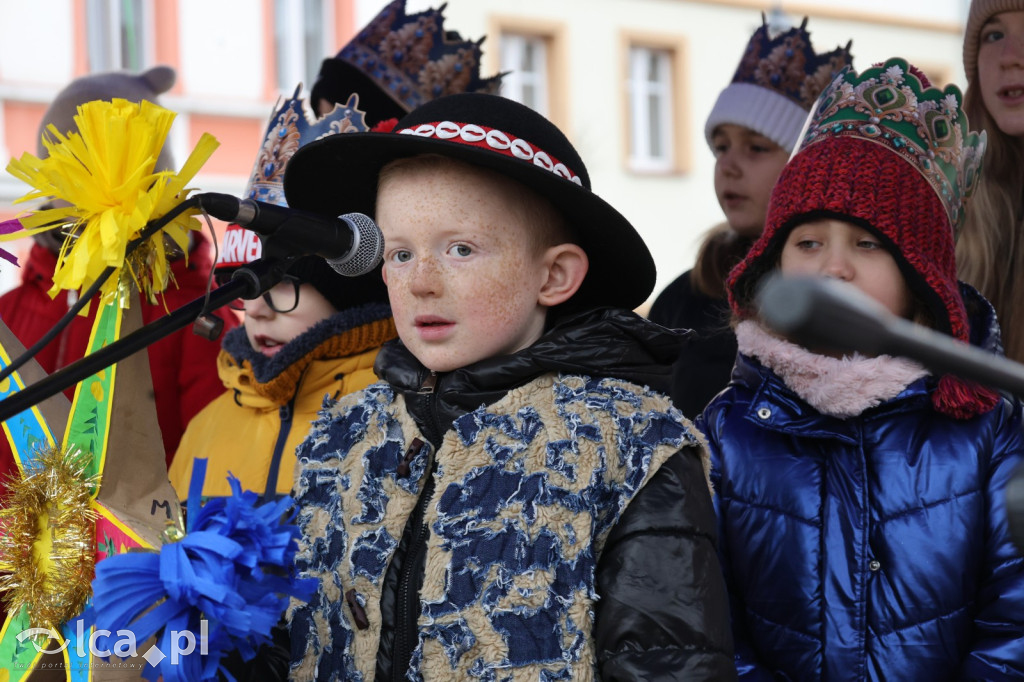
<point>775,85</point>
<point>413,59</point>
<point>892,105</point>
<point>787,64</point>
<point>290,128</point>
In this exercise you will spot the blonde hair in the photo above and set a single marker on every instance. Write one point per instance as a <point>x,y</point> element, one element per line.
<point>990,246</point>
<point>548,227</point>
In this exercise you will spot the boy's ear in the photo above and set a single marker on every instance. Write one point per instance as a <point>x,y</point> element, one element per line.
<point>567,265</point>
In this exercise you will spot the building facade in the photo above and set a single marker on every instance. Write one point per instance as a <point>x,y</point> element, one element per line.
<point>630,81</point>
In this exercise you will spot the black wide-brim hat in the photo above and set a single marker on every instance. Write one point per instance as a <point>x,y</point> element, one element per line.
<point>338,175</point>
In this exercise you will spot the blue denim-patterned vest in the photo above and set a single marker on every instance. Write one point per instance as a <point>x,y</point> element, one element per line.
<point>526,492</point>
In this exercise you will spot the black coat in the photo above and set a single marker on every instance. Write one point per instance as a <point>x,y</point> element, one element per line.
<point>706,360</point>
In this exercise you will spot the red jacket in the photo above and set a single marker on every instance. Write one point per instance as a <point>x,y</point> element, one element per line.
<point>184,365</point>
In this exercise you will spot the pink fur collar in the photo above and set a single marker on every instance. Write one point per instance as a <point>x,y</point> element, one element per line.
<point>840,387</point>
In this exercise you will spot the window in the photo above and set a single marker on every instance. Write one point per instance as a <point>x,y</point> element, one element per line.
<point>524,58</point>
<point>651,144</point>
<point>302,39</point>
<point>118,34</point>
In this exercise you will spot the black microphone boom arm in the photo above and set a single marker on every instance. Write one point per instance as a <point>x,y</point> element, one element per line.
<point>249,281</point>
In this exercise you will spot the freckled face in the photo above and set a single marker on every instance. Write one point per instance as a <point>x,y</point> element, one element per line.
<point>463,273</point>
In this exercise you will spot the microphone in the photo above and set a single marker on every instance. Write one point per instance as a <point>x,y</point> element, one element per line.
<point>828,313</point>
<point>352,244</point>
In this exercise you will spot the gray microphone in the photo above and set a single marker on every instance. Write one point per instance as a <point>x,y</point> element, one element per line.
<point>830,314</point>
<point>352,244</point>
<point>366,250</point>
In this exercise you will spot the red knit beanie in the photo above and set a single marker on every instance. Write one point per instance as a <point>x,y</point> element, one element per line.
<point>865,183</point>
<point>861,182</point>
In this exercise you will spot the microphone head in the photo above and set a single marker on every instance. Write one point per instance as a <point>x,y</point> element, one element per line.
<point>367,247</point>
<point>824,313</point>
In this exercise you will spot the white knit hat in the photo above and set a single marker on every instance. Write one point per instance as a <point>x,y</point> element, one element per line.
<point>776,84</point>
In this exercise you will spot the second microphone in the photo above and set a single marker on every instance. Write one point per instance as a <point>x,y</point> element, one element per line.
<point>352,244</point>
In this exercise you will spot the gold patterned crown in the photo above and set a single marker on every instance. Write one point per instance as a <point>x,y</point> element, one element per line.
<point>788,64</point>
<point>290,128</point>
<point>895,105</point>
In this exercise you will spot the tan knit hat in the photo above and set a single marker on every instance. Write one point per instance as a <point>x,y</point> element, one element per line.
<point>980,12</point>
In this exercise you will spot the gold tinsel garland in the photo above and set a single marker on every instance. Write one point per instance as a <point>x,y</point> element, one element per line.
<point>47,533</point>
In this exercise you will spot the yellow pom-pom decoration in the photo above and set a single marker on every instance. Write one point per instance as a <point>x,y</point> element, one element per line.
<point>106,172</point>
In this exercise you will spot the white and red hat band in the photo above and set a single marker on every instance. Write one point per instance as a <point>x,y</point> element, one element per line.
<point>494,140</point>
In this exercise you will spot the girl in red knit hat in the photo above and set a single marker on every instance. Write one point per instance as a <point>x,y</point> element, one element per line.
<point>990,252</point>
<point>860,499</point>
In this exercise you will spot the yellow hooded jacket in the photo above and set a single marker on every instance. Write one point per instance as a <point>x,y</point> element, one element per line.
<point>252,430</point>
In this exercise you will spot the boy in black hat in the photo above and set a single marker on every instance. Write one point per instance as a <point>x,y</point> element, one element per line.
<point>517,498</point>
<point>278,367</point>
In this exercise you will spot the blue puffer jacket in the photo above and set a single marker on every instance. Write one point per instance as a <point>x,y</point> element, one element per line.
<point>871,547</point>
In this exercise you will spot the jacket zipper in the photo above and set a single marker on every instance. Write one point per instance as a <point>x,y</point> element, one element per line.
<point>407,600</point>
<point>286,413</point>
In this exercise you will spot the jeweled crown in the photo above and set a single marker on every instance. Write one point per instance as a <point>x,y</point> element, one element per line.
<point>414,59</point>
<point>788,64</point>
<point>892,105</point>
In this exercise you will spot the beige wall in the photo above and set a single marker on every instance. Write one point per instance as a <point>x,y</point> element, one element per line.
<point>223,51</point>
<point>672,210</point>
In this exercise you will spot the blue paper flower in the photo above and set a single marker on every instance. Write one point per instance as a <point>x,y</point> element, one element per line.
<point>233,569</point>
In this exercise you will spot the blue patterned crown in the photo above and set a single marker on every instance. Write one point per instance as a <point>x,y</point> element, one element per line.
<point>289,129</point>
<point>788,64</point>
<point>413,59</point>
<point>896,106</point>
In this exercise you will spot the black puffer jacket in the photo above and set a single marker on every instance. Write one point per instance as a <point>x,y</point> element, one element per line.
<point>705,363</point>
<point>663,610</point>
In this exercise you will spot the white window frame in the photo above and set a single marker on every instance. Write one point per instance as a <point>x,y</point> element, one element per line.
<point>642,92</point>
<point>103,35</point>
<point>517,79</point>
<point>296,61</point>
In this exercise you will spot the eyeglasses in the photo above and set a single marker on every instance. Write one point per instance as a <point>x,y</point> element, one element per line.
<point>283,297</point>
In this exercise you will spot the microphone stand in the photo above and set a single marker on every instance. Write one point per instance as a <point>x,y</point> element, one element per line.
<point>248,282</point>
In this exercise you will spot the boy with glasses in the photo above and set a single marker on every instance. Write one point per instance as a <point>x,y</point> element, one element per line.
<point>315,333</point>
